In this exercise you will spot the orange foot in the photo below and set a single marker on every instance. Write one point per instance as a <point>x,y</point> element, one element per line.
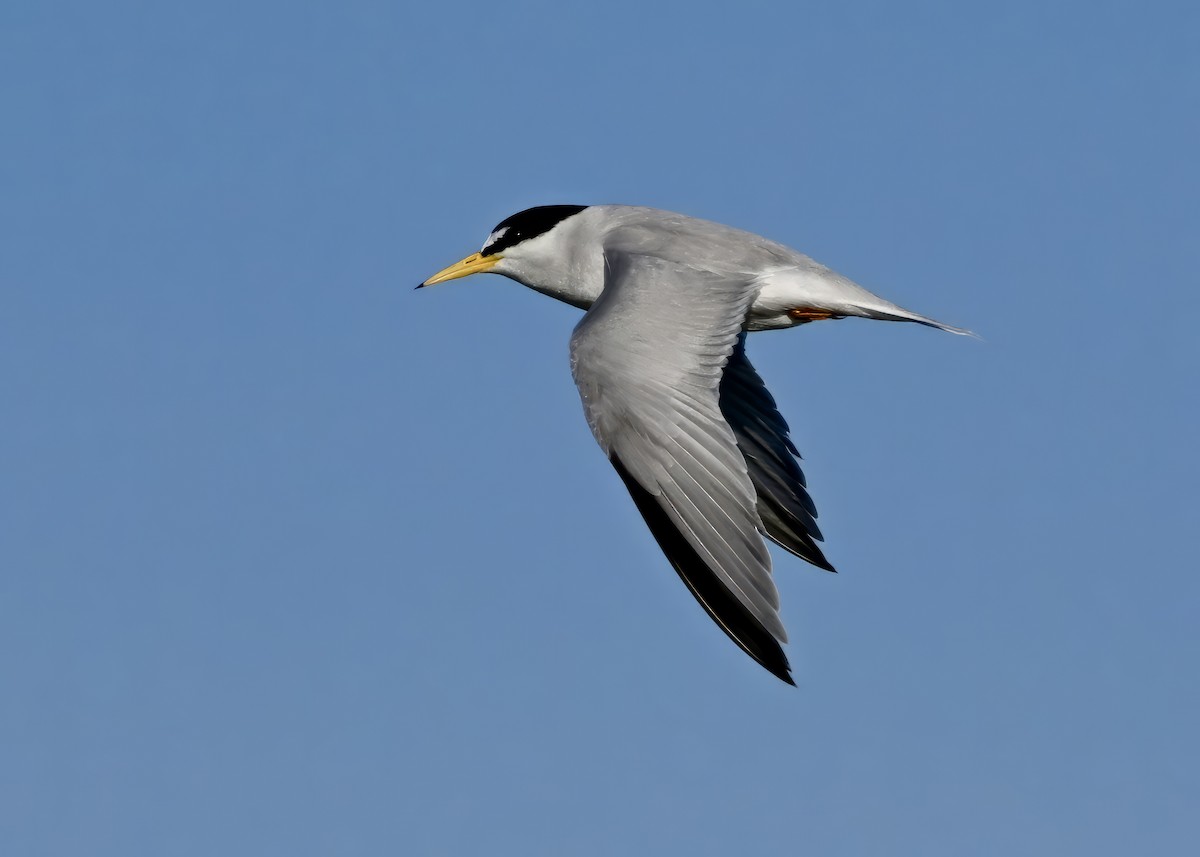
<point>806,313</point>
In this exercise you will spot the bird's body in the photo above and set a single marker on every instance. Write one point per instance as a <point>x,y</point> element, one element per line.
<point>670,396</point>
<point>567,264</point>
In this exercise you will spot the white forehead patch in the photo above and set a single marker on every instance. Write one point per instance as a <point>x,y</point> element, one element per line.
<point>494,237</point>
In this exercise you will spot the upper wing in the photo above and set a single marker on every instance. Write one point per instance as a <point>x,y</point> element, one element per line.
<point>648,359</point>
<point>786,510</point>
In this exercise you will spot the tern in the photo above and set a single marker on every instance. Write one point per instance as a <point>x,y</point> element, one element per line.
<point>660,362</point>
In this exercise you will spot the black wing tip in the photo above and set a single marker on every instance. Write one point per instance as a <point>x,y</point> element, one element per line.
<point>766,652</point>
<point>813,556</point>
<point>818,556</point>
<point>772,659</point>
<point>819,559</point>
<point>782,670</point>
<point>802,548</point>
<point>720,604</point>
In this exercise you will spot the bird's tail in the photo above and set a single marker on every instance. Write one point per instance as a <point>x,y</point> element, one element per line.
<point>891,312</point>
<point>849,298</point>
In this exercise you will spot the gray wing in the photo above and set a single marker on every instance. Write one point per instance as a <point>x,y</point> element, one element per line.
<point>648,359</point>
<point>787,512</point>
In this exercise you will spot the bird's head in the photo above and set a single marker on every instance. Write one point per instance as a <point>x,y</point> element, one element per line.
<point>538,247</point>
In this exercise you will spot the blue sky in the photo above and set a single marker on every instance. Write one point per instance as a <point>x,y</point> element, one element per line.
<point>295,560</point>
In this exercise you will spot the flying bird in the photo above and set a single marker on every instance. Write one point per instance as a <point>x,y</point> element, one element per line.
<point>660,362</point>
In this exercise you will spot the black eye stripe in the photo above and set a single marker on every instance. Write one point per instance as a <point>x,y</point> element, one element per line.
<point>529,223</point>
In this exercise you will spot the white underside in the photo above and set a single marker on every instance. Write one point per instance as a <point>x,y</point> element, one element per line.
<point>815,287</point>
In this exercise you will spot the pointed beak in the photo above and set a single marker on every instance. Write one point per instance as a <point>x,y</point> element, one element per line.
<point>473,264</point>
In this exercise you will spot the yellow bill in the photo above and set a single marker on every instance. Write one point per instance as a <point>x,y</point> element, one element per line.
<point>474,264</point>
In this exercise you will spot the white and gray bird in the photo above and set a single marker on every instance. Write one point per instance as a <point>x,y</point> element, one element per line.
<point>660,362</point>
